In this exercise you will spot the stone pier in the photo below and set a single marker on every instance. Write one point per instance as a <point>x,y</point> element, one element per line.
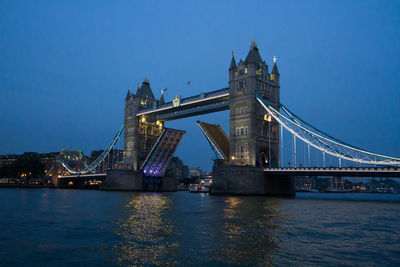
<point>241,180</point>
<point>128,180</point>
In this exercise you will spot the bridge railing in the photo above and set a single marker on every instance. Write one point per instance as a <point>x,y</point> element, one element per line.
<point>190,99</point>
<point>192,110</point>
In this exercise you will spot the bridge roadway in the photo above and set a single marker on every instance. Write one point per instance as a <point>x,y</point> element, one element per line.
<point>345,172</point>
<point>190,106</point>
<point>88,176</point>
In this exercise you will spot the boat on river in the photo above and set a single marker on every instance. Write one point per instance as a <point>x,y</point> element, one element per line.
<point>201,186</point>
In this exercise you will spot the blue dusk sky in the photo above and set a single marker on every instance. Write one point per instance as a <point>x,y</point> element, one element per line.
<point>65,66</point>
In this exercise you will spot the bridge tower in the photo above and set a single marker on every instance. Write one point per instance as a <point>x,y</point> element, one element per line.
<point>254,135</point>
<point>140,133</point>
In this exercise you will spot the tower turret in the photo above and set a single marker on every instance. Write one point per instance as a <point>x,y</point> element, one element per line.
<point>232,68</point>
<point>275,72</point>
<point>145,94</point>
<point>128,95</point>
<point>253,59</point>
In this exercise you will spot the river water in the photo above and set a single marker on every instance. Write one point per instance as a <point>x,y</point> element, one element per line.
<point>55,227</point>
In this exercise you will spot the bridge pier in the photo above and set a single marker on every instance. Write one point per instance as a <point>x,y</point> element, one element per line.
<point>128,180</point>
<point>246,180</point>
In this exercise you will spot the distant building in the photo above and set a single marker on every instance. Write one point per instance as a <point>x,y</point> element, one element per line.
<point>186,171</point>
<point>47,159</point>
<point>113,161</point>
<point>177,169</point>
<point>7,160</point>
<point>196,172</point>
<point>306,182</point>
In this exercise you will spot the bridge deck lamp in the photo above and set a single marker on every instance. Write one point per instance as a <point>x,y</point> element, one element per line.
<point>233,157</point>
<point>267,117</point>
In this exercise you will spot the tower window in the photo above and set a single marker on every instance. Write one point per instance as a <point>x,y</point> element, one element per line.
<point>242,130</point>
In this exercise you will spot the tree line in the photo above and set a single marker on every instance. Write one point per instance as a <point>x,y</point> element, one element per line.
<point>28,165</point>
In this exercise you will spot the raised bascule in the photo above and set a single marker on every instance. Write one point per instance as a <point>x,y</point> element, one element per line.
<point>249,157</point>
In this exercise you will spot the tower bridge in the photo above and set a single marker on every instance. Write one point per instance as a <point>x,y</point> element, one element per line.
<point>250,156</point>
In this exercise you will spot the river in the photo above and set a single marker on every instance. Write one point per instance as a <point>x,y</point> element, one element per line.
<point>61,227</point>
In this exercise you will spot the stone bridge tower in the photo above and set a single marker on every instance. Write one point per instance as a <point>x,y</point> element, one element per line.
<point>140,133</point>
<point>254,135</point>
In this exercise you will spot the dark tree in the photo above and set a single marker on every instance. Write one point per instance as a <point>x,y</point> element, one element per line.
<point>30,165</point>
<point>8,171</point>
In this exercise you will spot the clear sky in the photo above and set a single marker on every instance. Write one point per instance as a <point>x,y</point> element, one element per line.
<point>65,66</point>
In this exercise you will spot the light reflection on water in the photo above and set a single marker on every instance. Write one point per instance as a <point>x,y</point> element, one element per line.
<point>236,231</point>
<point>95,228</point>
<point>248,230</point>
<point>146,231</point>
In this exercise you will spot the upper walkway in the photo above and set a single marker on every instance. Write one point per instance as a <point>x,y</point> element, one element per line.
<point>190,106</point>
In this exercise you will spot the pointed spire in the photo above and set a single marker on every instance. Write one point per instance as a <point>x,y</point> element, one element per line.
<point>233,62</point>
<point>162,101</point>
<point>275,67</point>
<point>145,91</point>
<point>253,57</point>
<point>254,45</point>
<point>128,95</point>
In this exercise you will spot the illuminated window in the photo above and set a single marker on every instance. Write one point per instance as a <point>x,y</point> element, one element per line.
<point>258,72</point>
<point>245,70</point>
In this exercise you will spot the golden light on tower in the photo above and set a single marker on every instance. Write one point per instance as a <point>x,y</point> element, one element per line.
<point>267,117</point>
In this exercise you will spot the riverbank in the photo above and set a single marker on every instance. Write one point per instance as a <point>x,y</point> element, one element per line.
<point>4,185</point>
